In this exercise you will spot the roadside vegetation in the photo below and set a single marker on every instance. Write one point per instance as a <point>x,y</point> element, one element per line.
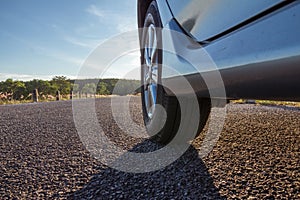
<point>268,102</point>
<point>15,91</point>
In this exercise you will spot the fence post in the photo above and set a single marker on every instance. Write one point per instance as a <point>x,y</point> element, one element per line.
<point>35,96</point>
<point>57,95</point>
<point>71,94</point>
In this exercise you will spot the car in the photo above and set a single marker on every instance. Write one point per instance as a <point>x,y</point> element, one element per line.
<point>252,49</point>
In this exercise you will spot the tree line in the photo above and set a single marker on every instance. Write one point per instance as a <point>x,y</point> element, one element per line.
<point>22,90</point>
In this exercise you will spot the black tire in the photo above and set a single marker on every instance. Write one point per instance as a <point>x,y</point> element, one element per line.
<point>170,104</point>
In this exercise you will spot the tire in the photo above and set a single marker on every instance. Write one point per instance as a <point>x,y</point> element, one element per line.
<point>162,126</point>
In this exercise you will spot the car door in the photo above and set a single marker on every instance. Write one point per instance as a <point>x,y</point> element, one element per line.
<point>204,19</point>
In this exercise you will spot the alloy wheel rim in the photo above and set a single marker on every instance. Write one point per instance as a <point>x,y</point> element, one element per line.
<point>150,70</point>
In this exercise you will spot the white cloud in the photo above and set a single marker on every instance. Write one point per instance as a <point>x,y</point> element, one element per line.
<point>54,26</point>
<point>126,24</point>
<point>86,43</point>
<point>46,51</point>
<point>25,77</point>
<point>122,22</point>
<point>93,10</point>
<point>70,59</point>
<point>76,42</point>
<point>25,42</point>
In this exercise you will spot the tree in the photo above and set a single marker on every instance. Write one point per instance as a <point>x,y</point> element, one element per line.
<point>62,84</point>
<point>7,86</point>
<point>18,90</point>
<point>111,83</point>
<point>75,87</point>
<point>124,87</point>
<point>102,89</point>
<point>89,88</point>
<point>44,87</point>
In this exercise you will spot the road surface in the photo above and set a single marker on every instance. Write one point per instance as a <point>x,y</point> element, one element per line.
<point>257,156</point>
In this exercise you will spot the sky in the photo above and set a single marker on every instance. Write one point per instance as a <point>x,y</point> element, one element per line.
<point>43,38</point>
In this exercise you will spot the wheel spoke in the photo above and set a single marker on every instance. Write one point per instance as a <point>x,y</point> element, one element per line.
<point>146,99</point>
<point>154,48</point>
<point>148,79</point>
<point>151,36</point>
<point>150,95</point>
<point>155,69</point>
<point>153,90</point>
<point>154,53</point>
<point>154,74</point>
<point>150,69</point>
<point>151,103</point>
<point>147,57</point>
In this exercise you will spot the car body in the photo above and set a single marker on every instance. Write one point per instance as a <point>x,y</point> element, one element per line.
<point>229,49</point>
<point>255,44</point>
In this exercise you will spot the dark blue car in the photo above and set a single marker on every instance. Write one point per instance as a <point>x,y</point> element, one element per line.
<point>224,49</point>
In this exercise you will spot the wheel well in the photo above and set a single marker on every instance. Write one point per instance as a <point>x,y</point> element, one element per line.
<point>142,9</point>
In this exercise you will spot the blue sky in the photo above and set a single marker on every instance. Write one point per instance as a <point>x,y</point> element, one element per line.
<point>44,38</point>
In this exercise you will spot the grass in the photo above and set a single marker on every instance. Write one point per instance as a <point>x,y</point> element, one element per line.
<point>279,103</point>
<point>64,98</point>
<point>238,101</point>
<point>12,102</point>
<point>269,102</point>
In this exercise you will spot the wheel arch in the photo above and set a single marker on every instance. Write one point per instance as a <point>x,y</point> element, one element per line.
<point>142,9</point>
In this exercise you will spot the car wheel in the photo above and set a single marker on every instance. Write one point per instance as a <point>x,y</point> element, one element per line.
<point>154,96</point>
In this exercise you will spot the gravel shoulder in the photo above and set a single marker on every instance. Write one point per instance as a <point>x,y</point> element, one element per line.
<point>256,157</point>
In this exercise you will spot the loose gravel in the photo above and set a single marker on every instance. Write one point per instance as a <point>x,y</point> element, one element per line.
<point>42,157</point>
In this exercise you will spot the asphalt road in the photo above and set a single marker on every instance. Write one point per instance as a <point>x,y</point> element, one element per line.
<point>42,156</point>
